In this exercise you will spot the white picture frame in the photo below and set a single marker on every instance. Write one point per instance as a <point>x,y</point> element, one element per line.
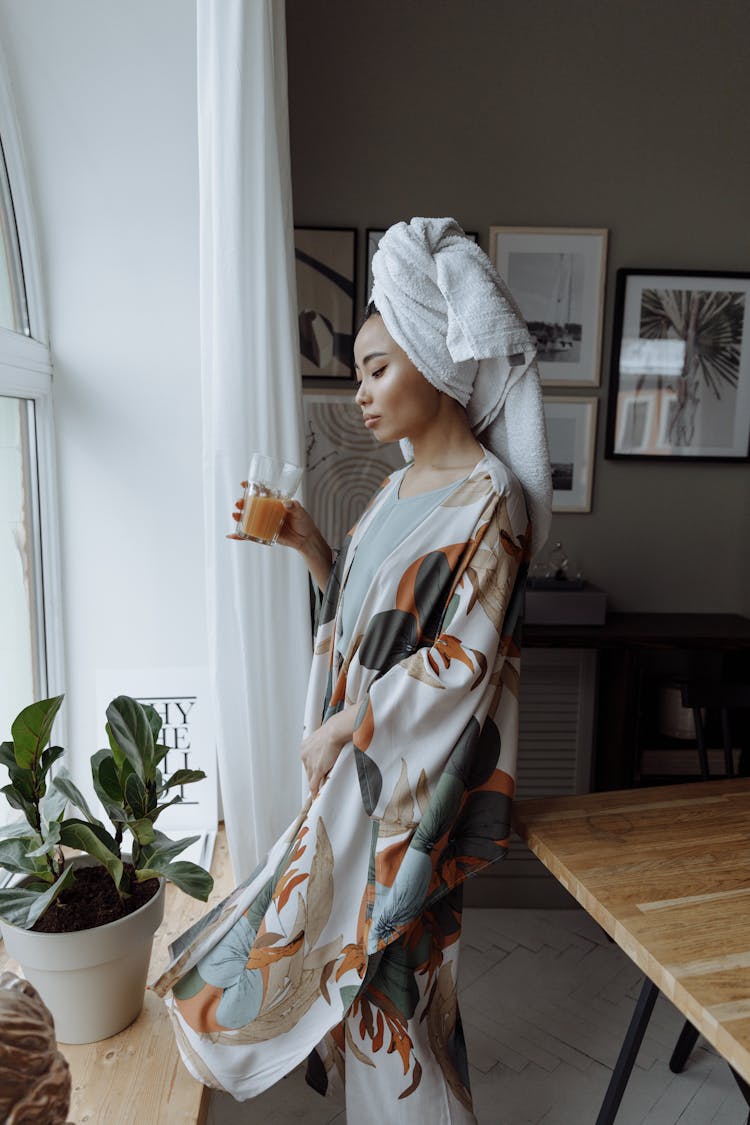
<point>557,276</point>
<point>571,430</point>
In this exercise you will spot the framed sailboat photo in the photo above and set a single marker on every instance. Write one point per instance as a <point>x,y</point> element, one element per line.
<point>557,276</point>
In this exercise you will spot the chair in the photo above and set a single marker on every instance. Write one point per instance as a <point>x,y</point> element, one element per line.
<point>700,694</point>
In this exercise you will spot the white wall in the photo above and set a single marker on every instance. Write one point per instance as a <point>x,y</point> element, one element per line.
<point>106,99</point>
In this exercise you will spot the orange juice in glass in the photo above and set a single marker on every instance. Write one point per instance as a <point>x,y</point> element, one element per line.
<point>269,484</point>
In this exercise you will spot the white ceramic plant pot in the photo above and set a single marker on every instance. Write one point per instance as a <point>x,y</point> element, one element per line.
<point>93,981</point>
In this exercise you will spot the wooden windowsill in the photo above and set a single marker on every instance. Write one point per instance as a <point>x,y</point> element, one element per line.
<point>137,1076</point>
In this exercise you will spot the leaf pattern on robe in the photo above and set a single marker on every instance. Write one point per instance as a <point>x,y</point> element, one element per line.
<point>491,583</point>
<point>422,590</point>
<point>423,792</point>
<point>417,671</point>
<point>370,780</point>
<point>399,812</point>
<point>475,754</point>
<point>468,492</point>
<point>320,888</point>
<point>333,586</point>
<point>390,636</point>
<point>441,1026</point>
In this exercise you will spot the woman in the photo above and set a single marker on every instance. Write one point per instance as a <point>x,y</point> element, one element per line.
<point>343,946</point>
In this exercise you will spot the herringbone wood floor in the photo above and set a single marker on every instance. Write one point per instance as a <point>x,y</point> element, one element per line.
<point>545,1001</point>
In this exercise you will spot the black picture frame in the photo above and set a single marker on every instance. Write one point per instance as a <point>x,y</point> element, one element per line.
<point>326,271</point>
<point>680,376</point>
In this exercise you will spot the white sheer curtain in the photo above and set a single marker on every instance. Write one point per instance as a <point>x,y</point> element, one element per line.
<point>258,605</point>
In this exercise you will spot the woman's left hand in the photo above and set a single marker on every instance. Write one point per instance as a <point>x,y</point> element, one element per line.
<point>321,749</point>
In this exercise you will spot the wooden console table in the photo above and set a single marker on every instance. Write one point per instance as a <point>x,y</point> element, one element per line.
<point>631,646</point>
<point>137,1076</point>
<point>666,873</point>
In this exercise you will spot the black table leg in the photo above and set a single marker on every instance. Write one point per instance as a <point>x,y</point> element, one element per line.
<point>744,1087</point>
<point>628,1052</point>
<point>683,1047</point>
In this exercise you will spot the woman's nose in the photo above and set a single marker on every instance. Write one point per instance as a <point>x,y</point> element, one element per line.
<point>362,394</point>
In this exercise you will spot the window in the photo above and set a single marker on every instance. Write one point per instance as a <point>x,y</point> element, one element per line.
<point>30,634</point>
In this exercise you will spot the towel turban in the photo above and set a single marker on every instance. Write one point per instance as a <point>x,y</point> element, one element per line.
<point>446,306</point>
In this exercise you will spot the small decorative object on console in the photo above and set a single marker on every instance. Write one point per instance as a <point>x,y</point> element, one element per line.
<point>557,594</point>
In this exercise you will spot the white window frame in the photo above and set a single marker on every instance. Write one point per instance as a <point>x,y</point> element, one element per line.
<point>26,373</point>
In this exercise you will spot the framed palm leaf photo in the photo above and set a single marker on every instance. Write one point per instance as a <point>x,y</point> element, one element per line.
<point>680,382</point>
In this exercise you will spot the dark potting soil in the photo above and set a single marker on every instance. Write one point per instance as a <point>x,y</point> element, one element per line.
<point>93,901</point>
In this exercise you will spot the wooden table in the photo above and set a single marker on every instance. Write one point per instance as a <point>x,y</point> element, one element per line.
<point>666,872</point>
<point>137,1077</point>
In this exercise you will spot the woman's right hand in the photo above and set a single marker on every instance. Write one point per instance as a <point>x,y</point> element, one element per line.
<point>299,531</point>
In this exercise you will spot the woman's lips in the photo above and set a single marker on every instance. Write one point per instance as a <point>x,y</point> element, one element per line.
<point>371,420</point>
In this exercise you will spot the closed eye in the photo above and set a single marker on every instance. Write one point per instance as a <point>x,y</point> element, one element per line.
<point>378,373</point>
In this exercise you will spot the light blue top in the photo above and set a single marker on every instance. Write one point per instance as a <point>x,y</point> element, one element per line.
<point>395,519</point>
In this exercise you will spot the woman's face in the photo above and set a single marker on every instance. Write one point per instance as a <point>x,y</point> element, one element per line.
<point>395,398</point>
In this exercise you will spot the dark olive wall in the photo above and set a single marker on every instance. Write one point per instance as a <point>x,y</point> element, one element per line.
<point>625,114</point>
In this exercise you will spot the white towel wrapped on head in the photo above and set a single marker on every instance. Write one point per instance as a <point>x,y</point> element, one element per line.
<point>444,303</point>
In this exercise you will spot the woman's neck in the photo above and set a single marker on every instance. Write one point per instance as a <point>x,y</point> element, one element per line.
<point>447,443</point>
<point>445,452</point>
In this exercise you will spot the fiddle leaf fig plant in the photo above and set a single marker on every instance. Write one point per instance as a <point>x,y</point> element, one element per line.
<point>132,789</point>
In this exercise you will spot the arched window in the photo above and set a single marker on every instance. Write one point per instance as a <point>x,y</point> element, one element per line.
<point>30,618</point>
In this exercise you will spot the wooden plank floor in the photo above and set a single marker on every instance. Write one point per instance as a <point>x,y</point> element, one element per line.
<point>566,994</point>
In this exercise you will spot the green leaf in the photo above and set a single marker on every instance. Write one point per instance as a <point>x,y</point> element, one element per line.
<point>143,830</point>
<point>52,804</point>
<point>15,904</point>
<point>154,720</point>
<point>31,730</point>
<point>50,841</point>
<point>69,789</point>
<point>107,786</point>
<point>106,777</point>
<point>93,840</point>
<point>22,781</point>
<point>183,777</point>
<point>154,813</point>
<point>22,906</point>
<point>189,877</point>
<point>115,750</point>
<point>348,996</point>
<point>160,752</point>
<point>50,756</point>
<point>7,757</point>
<point>15,829</point>
<point>17,801</point>
<point>15,855</point>
<point>44,901</point>
<point>131,730</point>
<point>136,796</point>
<point>165,849</point>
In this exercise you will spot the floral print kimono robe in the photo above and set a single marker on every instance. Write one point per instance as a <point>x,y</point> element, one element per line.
<point>342,946</point>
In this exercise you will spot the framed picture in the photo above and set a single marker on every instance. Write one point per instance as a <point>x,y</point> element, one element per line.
<point>680,384</point>
<point>557,276</point>
<point>571,429</point>
<point>345,464</point>
<point>372,238</point>
<point>325,260</point>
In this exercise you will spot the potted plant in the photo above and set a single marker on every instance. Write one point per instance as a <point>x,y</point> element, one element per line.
<point>82,927</point>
